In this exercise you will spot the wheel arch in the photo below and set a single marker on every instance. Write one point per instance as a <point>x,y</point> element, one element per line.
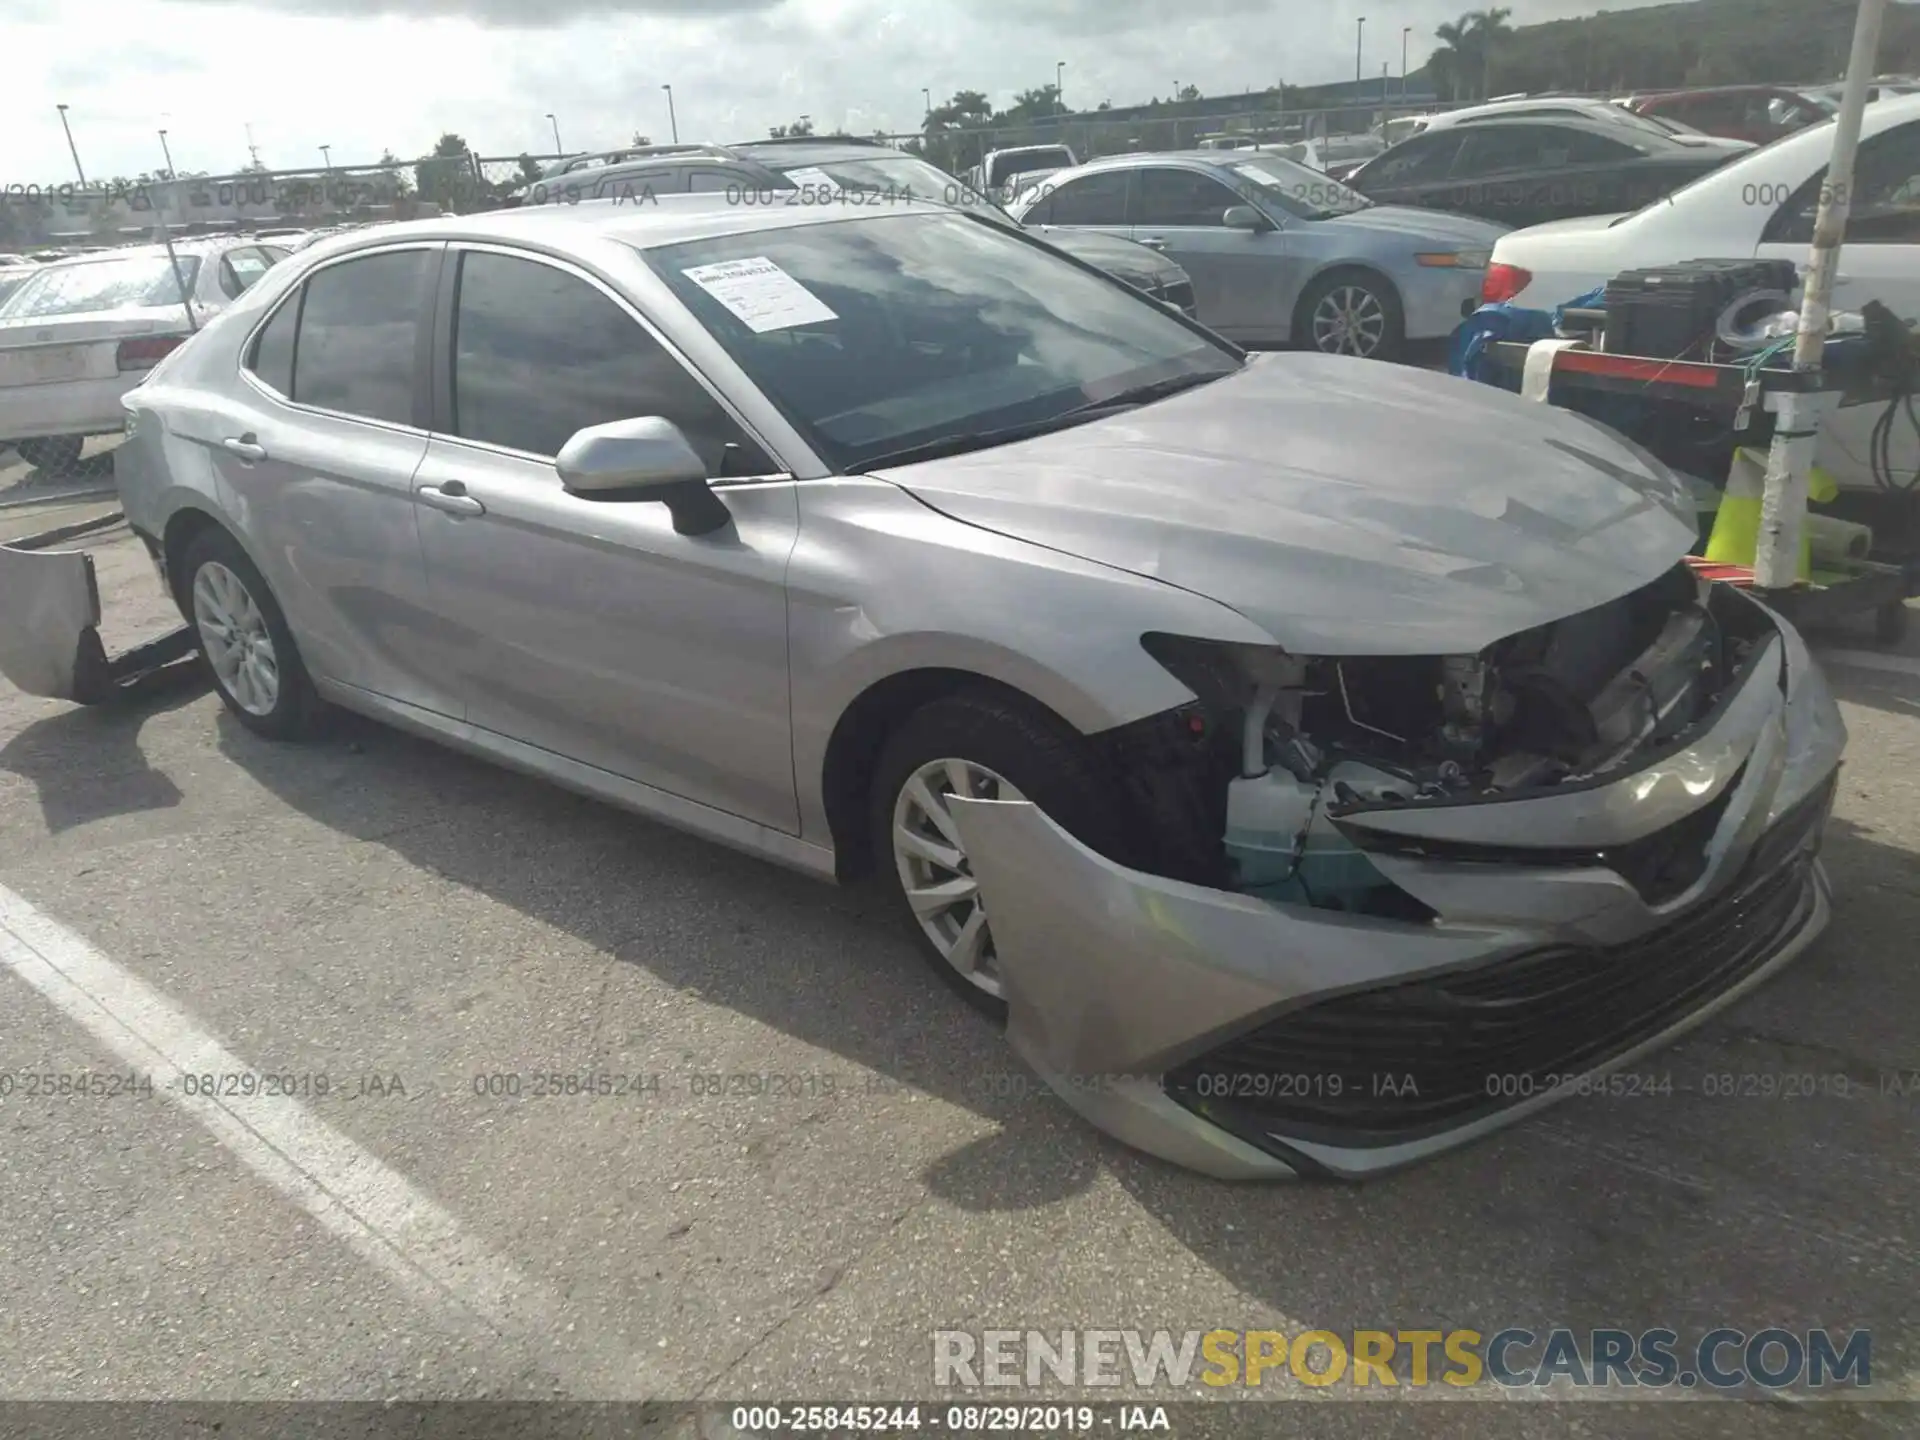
<point>1299,327</point>
<point>854,746</point>
<point>183,527</point>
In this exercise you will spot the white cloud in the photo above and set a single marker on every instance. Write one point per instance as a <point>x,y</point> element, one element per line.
<point>361,77</point>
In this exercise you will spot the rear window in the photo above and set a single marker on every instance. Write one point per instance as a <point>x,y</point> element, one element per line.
<point>125,283</point>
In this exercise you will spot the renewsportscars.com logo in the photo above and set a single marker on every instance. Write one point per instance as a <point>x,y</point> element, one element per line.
<point>1721,1359</point>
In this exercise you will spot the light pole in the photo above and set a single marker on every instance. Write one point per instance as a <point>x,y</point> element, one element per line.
<point>166,152</point>
<point>326,156</point>
<point>926,94</point>
<point>1059,85</point>
<point>1403,63</point>
<point>673,120</point>
<point>1359,35</point>
<point>558,149</point>
<point>72,149</point>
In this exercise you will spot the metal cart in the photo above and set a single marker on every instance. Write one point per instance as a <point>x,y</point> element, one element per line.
<point>1653,399</point>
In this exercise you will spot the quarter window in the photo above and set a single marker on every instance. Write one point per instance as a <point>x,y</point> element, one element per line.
<point>272,355</point>
<point>539,354</point>
<point>1884,208</point>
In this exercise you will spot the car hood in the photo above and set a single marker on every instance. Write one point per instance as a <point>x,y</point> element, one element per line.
<point>1346,506</point>
<point>1124,258</point>
<point>1425,226</point>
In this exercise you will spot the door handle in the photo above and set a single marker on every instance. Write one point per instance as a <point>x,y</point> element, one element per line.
<point>245,446</point>
<point>450,498</point>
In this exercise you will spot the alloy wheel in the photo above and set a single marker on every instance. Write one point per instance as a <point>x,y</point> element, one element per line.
<point>1349,320</point>
<point>934,869</point>
<point>235,637</point>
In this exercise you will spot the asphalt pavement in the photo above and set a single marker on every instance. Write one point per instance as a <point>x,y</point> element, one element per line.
<point>810,1156</point>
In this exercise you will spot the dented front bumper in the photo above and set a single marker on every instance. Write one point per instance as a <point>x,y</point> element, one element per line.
<point>50,629</point>
<point>1247,1039</point>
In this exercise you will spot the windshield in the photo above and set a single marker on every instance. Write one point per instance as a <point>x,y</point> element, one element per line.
<point>126,283</point>
<point>1297,189</point>
<point>1008,164</point>
<point>901,175</point>
<point>893,332</point>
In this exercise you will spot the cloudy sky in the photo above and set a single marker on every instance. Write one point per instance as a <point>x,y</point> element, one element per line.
<point>366,75</point>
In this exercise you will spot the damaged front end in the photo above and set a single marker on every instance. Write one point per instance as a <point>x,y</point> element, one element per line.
<point>1378,905</point>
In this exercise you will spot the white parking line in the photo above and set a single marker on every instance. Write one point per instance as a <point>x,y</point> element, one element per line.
<point>374,1209</point>
<point>1868,660</point>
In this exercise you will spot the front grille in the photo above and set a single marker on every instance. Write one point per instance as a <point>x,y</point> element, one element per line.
<point>1395,1063</point>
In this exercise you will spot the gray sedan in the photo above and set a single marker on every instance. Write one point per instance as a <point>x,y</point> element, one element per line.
<point>1280,253</point>
<point>1313,763</point>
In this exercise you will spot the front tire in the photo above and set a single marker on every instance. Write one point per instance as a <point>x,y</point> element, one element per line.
<point>987,746</point>
<point>1351,312</point>
<point>244,639</point>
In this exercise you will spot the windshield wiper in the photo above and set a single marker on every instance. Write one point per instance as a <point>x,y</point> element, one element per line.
<point>1143,394</point>
<point>963,441</point>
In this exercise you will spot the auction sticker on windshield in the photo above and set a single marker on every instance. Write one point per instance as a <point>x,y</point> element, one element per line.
<point>760,293</point>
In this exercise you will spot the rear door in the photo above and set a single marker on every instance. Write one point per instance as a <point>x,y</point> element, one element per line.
<point>1879,261</point>
<point>1236,274</point>
<point>1415,171</point>
<point>1088,202</point>
<point>1508,173</point>
<point>316,448</point>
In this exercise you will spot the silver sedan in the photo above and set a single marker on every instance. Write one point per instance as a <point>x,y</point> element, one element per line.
<point>1313,763</point>
<point>1280,253</point>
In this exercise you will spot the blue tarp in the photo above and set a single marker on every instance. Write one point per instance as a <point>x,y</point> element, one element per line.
<point>1507,321</point>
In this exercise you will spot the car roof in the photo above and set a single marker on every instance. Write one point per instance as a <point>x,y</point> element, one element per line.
<point>664,220</point>
<point>806,149</point>
<point>201,245</point>
<point>1586,124</point>
<point>1726,90</point>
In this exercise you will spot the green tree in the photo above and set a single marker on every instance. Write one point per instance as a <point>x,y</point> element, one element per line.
<point>1188,92</point>
<point>640,140</point>
<point>801,127</point>
<point>445,176</point>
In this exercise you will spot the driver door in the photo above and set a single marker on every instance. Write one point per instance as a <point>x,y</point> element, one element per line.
<point>1239,284</point>
<point>589,628</point>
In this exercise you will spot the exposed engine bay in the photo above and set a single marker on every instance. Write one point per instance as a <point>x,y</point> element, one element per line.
<point>1301,743</point>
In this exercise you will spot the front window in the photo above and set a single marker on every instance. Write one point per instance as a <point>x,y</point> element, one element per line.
<point>1299,191</point>
<point>895,334</point>
<point>123,283</point>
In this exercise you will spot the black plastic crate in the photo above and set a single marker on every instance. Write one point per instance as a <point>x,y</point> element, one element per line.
<point>1672,312</point>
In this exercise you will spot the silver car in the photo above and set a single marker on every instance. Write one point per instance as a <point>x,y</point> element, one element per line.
<point>1314,763</point>
<point>77,334</point>
<point>1280,253</point>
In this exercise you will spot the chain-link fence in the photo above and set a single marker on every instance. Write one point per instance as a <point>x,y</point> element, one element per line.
<point>193,242</point>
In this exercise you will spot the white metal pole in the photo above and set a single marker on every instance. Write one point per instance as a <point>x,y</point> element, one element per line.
<point>1797,418</point>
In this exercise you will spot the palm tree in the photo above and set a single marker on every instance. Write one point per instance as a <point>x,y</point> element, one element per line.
<point>1448,64</point>
<point>1490,28</point>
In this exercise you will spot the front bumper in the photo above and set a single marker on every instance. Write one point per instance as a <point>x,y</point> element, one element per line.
<point>50,629</point>
<point>1253,1040</point>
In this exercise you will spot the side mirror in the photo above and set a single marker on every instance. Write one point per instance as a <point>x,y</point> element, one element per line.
<point>1245,217</point>
<point>643,459</point>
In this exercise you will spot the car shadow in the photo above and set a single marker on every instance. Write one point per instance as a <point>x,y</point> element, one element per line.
<point>86,763</point>
<point>855,986</point>
<point>1682,1211</point>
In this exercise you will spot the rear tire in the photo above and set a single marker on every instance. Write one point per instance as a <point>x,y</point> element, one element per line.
<point>1352,312</point>
<point>59,454</point>
<point>999,748</point>
<point>243,637</point>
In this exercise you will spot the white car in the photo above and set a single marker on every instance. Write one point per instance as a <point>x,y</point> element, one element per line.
<point>1580,107</point>
<point>1761,204</point>
<point>80,333</point>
